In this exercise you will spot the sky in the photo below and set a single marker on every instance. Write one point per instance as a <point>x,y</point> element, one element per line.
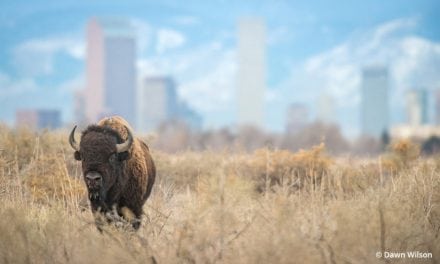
<point>313,49</point>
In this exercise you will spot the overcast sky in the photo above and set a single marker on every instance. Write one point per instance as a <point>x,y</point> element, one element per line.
<point>312,49</point>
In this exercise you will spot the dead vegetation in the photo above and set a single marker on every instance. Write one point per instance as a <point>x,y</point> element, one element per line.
<point>269,206</point>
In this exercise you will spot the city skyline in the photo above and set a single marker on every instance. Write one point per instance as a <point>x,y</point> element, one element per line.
<point>38,119</point>
<point>310,52</point>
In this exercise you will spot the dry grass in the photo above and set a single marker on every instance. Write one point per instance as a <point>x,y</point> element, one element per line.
<point>270,206</point>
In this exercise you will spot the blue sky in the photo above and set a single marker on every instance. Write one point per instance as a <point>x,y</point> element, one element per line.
<point>313,49</point>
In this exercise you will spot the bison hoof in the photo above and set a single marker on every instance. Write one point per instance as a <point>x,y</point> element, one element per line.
<point>136,223</point>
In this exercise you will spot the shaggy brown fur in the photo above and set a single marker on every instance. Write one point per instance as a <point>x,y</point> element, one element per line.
<point>127,177</point>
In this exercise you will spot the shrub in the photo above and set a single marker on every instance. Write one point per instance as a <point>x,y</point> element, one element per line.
<point>401,155</point>
<point>284,168</point>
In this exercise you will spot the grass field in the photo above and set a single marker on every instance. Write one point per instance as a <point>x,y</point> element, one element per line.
<point>269,206</point>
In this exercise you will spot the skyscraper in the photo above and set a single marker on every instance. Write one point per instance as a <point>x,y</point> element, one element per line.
<point>79,107</point>
<point>417,107</point>
<point>111,73</point>
<point>189,116</point>
<point>325,111</point>
<point>157,102</point>
<point>251,71</point>
<point>297,118</point>
<point>437,106</point>
<point>374,104</point>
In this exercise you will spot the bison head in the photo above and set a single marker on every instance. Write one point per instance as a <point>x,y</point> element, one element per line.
<point>102,153</point>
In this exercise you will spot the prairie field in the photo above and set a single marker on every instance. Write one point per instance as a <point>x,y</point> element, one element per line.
<point>265,206</point>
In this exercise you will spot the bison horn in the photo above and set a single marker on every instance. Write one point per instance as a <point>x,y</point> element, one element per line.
<point>72,141</point>
<point>127,144</point>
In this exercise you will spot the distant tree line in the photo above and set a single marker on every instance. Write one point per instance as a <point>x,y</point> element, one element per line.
<point>175,136</point>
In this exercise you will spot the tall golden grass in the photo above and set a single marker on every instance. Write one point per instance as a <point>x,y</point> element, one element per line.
<point>270,206</point>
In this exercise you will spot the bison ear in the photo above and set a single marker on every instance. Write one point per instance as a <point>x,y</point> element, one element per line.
<point>77,155</point>
<point>123,156</point>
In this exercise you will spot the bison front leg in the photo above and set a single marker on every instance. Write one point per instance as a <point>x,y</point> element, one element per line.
<point>99,208</point>
<point>128,215</point>
<point>100,219</point>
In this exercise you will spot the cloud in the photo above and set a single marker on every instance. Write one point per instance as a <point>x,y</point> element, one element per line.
<point>208,84</point>
<point>205,77</point>
<point>187,20</point>
<point>13,94</point>
<point>213,91</point>
<point>144,33</point>
<point>169,39</point>
<point>27,93</point>
<point>36,56</point>
<point>418,65</point>
<point>72,85</point>
<point>14,88</point>
<point>278,35</point>
<point>413,61</point>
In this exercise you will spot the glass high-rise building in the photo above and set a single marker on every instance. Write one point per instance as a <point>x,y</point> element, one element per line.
<point>157,102</point>
<point>325,111</point>
<point>437,106</point>
<point>111,72</point>
<point>374,101</point>
<point>297,118</point>
<point>417,107</point>
<point>251,71</point>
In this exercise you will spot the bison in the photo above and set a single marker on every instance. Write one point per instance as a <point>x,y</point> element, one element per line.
<point>118,170</point>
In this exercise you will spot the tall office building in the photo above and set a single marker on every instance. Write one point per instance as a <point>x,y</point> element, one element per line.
<point>437,106</point>
<point>251,71</point>
<point>325,111</point>
<point>157,102</point>
<point>193,119</point>
<point>79,107</point>
<point>111,72</point>
<point>38,118</point>
<point>297,118</point>
<point>417,107</point>
<point>374,100</point>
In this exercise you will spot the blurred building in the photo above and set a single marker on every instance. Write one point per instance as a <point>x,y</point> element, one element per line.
<point>421,132</point>
<point>374,101</point>
<point>38,118</point>
<point>79,107</point>
<point>251,71</point>
<point>437,106</point>
<point>297,118</point>
<point>158,103</point>
<point>111,73</point>
<point>417,107</point>
<point>326,109</point>
<point>189,116</point>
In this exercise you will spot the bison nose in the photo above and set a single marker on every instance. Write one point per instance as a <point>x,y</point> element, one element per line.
<point>93,180</point>
<point>93,176</point>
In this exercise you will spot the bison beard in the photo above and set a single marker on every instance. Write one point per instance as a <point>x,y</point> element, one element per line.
<point>118,170</point>
<point>97,195</point>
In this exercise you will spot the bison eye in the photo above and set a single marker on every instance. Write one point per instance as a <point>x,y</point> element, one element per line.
<point>112,158</point>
